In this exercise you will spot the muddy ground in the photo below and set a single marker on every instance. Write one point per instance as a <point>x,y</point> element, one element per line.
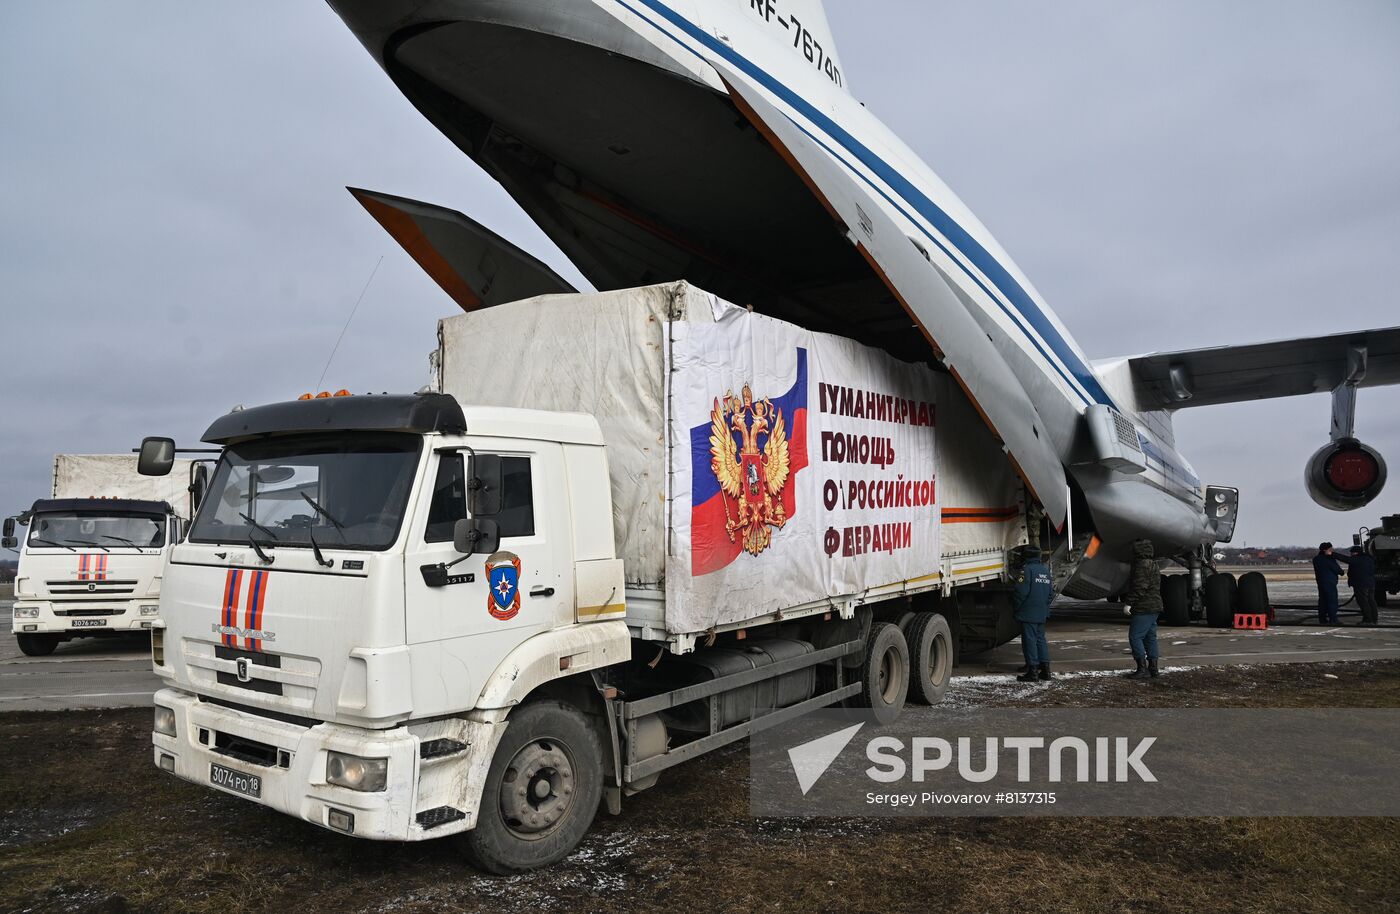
<point>88,824</point>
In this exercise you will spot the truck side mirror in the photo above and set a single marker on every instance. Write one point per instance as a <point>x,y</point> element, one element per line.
<point>157,457</point>
<point>475,535</point>
<point>199,485</point>
<point>9,528</point>
<point>484,482</point>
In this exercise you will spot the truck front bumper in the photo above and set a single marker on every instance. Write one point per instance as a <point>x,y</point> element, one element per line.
<point>38,617</point>
<point>288,761</point>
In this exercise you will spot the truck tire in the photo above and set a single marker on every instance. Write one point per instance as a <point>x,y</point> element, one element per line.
<point>884,681</point>
<point>1221,591</point>
<point>37,645</point>
<point>1253,593</point>
<point>1176,599</point>
<point>931,658</point>
<point>542,791</point>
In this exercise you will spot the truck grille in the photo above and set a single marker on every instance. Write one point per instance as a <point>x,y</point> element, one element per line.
<point>95,611</point>
<point>102,588</point>
<point>254,660</point>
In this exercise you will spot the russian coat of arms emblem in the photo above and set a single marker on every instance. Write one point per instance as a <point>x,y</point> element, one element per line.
<point>750,460</point>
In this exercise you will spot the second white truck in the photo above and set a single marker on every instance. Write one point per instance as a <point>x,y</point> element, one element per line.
<point>91,557</point>
<point>580,558</point>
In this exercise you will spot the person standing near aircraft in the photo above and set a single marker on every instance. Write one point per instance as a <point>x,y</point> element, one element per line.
<point>1327,571</point>
<point>1143,603</point>
<point>1361,575</point>
<point>1034,591</point>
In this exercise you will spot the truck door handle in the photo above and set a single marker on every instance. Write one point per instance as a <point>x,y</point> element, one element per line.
<point>542,592</point>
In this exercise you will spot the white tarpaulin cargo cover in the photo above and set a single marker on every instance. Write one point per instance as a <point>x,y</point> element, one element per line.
<point>755,466</point>
<point>115,476</point>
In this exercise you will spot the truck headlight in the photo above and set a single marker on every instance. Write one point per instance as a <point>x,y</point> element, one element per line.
<point>165,720</point>
<point>26,612</point>
<point>150,609</point>
<point>367,775</point>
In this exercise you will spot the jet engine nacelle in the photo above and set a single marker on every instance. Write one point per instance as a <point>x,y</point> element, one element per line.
<point>1345,475</point>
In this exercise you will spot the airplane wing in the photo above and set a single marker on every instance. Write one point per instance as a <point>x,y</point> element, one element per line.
<point>472,264</point>
<point>1260,371</point>
<point>922,289</point>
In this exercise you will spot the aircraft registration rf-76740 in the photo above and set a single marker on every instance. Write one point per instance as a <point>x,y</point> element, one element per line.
<point>717,141</point>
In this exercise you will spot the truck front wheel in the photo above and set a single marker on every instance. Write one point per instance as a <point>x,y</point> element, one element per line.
<point>37,645</point>
<point>885,673</point>
<point>542,792</point>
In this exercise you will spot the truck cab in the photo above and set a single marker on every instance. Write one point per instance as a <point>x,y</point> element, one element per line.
<point>369,586</point>
<point>88,567</point>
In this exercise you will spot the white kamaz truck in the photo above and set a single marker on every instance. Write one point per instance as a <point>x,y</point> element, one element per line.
<point>582,557</point>
<point>91,558</point>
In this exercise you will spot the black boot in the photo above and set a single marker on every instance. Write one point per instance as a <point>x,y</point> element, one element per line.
<point>1045,674</point>
<point>1030,675</point>
<point>1152,668</point>
<point>1140,672</point>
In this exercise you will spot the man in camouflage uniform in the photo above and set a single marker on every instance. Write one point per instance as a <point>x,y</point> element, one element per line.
<point>1142,601</point>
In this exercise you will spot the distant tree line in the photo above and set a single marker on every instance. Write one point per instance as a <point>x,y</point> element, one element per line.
<point>1267,555</point>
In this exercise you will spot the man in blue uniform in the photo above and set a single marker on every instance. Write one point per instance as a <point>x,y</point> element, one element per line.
<point>1034,591</point>
<point>1327,571</point>
<point>1361,575</point>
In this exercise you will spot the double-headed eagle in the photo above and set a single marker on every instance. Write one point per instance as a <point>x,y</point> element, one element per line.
<point>753,478</point>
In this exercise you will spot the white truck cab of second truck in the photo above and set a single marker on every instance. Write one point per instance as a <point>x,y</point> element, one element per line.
<point>91,556</point>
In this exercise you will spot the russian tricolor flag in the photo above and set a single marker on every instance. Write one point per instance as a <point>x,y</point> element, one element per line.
<point>710,546</point>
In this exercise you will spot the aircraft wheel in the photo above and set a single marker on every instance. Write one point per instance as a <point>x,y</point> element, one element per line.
<point>1221,590</point>
<point>1176,599</point>
<point>1254,593</point>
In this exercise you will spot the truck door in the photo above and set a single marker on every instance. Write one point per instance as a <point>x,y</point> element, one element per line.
<point>490,603</point>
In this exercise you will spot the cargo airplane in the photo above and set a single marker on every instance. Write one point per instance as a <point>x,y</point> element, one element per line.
<point>717,141</point>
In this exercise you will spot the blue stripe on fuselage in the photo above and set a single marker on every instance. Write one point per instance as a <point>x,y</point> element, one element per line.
<point>968,246</point>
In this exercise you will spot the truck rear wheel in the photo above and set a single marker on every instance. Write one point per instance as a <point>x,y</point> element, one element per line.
<point>931,658</point>
<point>37,645</point>
<point>542,792</point>
<point>1220,600</point>
<point>1176,599</point>
<point>885,673</point>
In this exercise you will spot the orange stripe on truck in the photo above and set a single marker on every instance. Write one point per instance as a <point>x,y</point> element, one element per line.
<point>980,515</point>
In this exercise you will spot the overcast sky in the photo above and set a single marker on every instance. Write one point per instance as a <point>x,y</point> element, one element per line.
<point>175,236</point>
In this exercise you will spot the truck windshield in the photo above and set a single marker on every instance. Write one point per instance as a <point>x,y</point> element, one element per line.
<point>97,529</point>
<point>344,490</point>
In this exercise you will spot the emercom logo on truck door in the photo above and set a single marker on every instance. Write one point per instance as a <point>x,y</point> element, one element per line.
<point>812,465</point>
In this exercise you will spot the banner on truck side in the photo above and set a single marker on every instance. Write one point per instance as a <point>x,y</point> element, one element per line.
<point>805,466</point>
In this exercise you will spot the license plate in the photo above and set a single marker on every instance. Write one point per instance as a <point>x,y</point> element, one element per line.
<point>250,785</point>
<point>89,623</point>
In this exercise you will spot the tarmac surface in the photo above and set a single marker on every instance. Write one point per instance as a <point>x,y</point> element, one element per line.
<point>1083,637</point>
